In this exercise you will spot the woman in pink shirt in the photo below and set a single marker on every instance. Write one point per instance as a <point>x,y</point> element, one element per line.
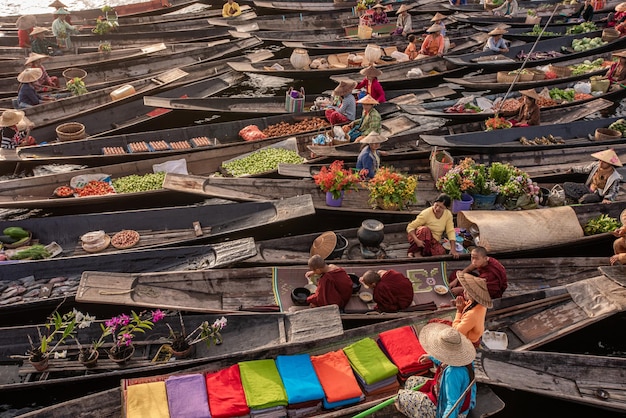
<point>371,84</point>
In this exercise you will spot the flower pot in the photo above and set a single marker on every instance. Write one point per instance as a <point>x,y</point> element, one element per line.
<point>464,204</point>
<point>184,353</point>
<point>484,202</point>
<point>40,365</point>
<point>89,362</point>
<point>370,233</point>
<point>331,201</point>
<point>122,356</point>
<point>387,206</point>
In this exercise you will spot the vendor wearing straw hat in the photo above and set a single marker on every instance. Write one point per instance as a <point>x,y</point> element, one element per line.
<point>40,45</point>
<point>369,157</point>
<point>603,182</point>
<point>404,25</point>
<point>617,72</point>
<point>619,245</point>
<point>45,82</point>
<point>471,307</point>
<point>15,128</point>
<point>371,85</point>
<point>433,44</point>
<point>334,286</point>
<point>25,25</point>
<point>62,30</point>
<point>508,9</point>
<point>495,42</point>
<point>370,121</point>
<point>529,113</point>
<point>26,94</point>
<point>346,111</point>
<point>452,391</point>
<point>619,16</point>
<point>379,17</point>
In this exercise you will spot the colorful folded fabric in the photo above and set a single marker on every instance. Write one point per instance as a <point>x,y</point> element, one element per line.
<point>147,400</point>
<point>187,396</point>
<point>384,386</point>
<point>273,412</point>
<point>337,379</point>
<point>404,349</point>
<point>299,378</point>
<point>369,361</point>
<point>262,384</point>
<point>226,396</point>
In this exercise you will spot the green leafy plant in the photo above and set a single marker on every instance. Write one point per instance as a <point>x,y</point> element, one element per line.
<point>601,224</point>
<point>467,176</point>
<point>106,8</point>
<point>104,47</point>
<point>76,86</point>
<point>57,330</point>
<point>390,189</point>
<point>209,333</point>
<point>104,26</point>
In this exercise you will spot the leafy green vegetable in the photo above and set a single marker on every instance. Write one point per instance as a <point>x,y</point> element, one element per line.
<point>566,95</point>
<point>601,224</point>
<point>36,252</point>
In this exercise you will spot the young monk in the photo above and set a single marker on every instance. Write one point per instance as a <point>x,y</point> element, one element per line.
<point>334,286</point>
<point>392,290</point>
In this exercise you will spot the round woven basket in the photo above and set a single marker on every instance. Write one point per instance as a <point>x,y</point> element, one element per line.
<point>560,71</point>
<point>71,131</point>
<point>610,34</point>
<point>604,134</point>
<point>72,73</point>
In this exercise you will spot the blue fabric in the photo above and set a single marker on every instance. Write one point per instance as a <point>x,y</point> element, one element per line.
<point>27,95</point>
<point>299,378</point>
<point>348,106</point>
<point>367,161</point>
<point>340,404</point>
<point>454,381</point>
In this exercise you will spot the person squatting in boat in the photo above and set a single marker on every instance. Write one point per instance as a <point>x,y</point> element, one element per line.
<point>393,291</point>
<point>485,267</point>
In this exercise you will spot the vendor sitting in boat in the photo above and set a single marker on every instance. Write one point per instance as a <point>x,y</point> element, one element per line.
<point>393,291</point>
<point>404,25</point>
<point>496,42</point>
<point>585,13</point>
<point>412,50</point>
<point>471,307</point>
<point>617,72</point>
<point>529,113</point>
<point>15,128</point>
<point>426,231</point>
<point>334,286</point>
<point>45,82</point>
<point>619,245</point>
<point>62,29</point>
<point>370,84</point>
<point>485,267</point>
<point>438,19</point>
<point>346,111</point>
<point>508,9</point>
<point>231,9</point>
<point>603,182</point>
<point>433,44</point>
<point>379,17</point>
<point>25,25</point>
<point>369,157</point>
<point>370,121</point>
<point>40,45</point>
<point>27,96</point>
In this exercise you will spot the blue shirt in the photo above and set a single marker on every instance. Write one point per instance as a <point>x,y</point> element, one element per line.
<point>348,106</point>
<point>454,381</point>
<point>367,161</point>
<point>27,96</point>
<point>494,46</point>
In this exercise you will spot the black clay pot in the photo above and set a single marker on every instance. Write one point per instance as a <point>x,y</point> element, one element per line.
<point>371,233</point>
<point>340,247</point>
<point>356,284</point>
<point>299,295</point>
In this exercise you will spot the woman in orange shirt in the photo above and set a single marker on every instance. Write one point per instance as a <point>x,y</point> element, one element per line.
<point>433,43</point>
<point>471,308</point>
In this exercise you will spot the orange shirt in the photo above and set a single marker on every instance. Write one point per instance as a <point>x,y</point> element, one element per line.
<point>411,51</point>
<point>432,46</point>
<point>471,323</point>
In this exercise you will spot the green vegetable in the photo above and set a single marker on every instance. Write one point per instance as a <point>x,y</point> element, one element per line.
<point>601,224</point>
<point>619,125</point>
<point>15,232</point>
<point>36,252</point>
<point>566,95</point>
<point>582,28</point>
<point>5,239</point>
<point>261,161</point>
<point>136,183</point>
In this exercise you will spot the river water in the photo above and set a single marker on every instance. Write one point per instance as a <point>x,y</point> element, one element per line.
<point>519,404</point>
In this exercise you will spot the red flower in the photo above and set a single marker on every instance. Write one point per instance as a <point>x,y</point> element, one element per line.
<point>335,179</point>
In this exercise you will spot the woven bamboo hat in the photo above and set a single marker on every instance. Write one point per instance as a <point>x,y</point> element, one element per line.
<point>61,11</point>
<point>378,6</point>
<point>447,345</point>
<point>476,288</point>
<point>621,54</point>
<point>344,87</point>
<point>38,29</point>
<point>56,4</point>
<point>32,57</point>
<point>437,17</point>
<point>371,71</point>
<point>530,93</point>
<point>608,156</point>
<point>26,22</point>
<point>29,75</point>
<point>434,29</point>
<point>621,7</point>
<point>324,244</point>
<point>368,100</point>
<point>11,117</point>
<point>497,31</point>
<point>402,8</point>
<point>374,138</point>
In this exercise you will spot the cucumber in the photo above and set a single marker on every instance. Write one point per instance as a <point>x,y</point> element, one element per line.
<point>15,232</point>
<point>5,239</point>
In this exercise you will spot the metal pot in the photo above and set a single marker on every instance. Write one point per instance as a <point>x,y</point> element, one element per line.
<point>371,233</point>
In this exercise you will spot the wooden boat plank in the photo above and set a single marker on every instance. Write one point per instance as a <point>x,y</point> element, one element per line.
<point>251,105</point>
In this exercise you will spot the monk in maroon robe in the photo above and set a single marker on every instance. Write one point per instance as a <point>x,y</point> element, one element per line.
<point>334,287</point>
<point>392,290</point>
<point>486,267</point>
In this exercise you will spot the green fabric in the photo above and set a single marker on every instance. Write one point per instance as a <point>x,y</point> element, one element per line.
<point>369,361</point>
<point>262,384</point>
<point>371,122</point>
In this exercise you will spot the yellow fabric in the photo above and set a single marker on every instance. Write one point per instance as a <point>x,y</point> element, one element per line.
<point>437,226</point>
<point>147,400</point>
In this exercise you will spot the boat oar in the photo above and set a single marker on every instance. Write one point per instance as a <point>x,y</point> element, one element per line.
<point>383,404</point>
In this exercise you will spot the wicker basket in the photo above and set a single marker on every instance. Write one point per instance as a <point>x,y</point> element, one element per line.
<point>72,73</point>
<point>604,134</point>
<point>560,71</point>
<point>610,34</point>
<point>504,77</point>
<point>599,84</point>
<point>71,131</point>
<point>538,75</point>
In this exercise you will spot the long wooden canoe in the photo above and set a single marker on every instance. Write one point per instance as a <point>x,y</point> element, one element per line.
<point>290,22</point>
<point>40,285</point>
<point>487,18</point>
<point>508,60</point>
<point>523,34</point>
<point>168,226</point>
<point>309,6</point>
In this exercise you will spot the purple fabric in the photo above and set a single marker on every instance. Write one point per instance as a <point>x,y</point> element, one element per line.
<point>187,396</point>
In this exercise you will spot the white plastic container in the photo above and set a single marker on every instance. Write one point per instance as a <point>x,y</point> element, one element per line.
<point>122,92</point>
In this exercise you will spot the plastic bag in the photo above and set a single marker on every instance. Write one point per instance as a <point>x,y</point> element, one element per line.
<point>251,133</point>
<point>415,73</point>
<point>399,56</point>
<point>338,133</point>
<point>557,196</point>
<point>582,87</point>
<point>174,166</point>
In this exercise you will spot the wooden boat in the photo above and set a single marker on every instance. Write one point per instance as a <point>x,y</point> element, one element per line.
<point>309,6</point>
<point>291,22</point>
<point>194,11</point>
<point>489,81</point>
<point>487,18</point>
<point>395,77</point>
<point>160,227</point>
<point>523,34</point>
<point>508,61</point>
<point>35,279</point>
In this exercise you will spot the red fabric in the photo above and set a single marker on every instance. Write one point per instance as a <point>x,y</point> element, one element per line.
<point>23,37</point>
<point>226,395</point>
<point>404,350</point>
<point>335,118</point>
<point>431,247</point>
<point>374,89</point>
<point>333,288</point>
<point>393,293</point>
<point>336,376</point>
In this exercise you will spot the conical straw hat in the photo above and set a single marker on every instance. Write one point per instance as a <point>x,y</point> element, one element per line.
<point>11,117</point>
<point>608,156</point>
<point>438,16</point>
<point>29,75</point>
<point>368,100</point>
<point>476,288</point>
<point>371,71</point>
<point>446,344</point>
<point>38,29</point>
<point>344,87</point>
<point>26,22</point>
<point>324,245</point>
<point>32,57</point>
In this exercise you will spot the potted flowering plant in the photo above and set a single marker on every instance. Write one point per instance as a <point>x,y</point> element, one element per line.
<point>391,190</point>
<point>468,177</point>
<point>514,183</point>
<point>57,330</point>
<point>335,180</point>
<point>183,343</point>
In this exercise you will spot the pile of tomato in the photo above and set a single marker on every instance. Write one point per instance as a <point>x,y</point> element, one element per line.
<point>64,191</point>
<point>95,188</point>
